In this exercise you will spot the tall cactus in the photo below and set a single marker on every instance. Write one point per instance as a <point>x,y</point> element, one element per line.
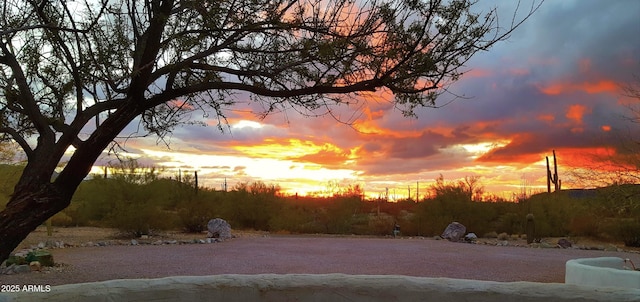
<point>553,178</point>
<point>530,228</point>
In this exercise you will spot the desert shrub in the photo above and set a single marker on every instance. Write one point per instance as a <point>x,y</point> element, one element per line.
<point>341,215</point>
<point>295,218</point>
<point>194,214</point>
<point>379,224</point>
<point>9,175</point>
<point>140,218</point>
<point>509,223</point>
<point>585,225</point>
<point>93,202</point>
<point>61,219</point>
<point>503,236</point>
<point>553,213</point>
<point>251,206</point>
<point>627,231</point>
<point>490,235</point>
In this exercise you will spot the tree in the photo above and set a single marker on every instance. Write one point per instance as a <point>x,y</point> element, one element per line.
<point>74,74</point>
<point>472,186</point>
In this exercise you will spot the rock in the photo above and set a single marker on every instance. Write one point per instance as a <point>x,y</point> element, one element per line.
<point>611,248</point>
<point>471,237</point>
<point>564,243</point>
<point>22,253</point>
<point>157,242</point>
<point>8,270</point>
<point>454,232</point>
<point>42,245</point>
<point>546,245</point>
<point>22,269</point>
<point>134,242</point>
<point>35,266</point>
<point>219,228</point>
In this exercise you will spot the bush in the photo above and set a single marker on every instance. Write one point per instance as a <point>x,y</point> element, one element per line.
<point>195,214</point>
<point>62,219</point>
<point>491,235</point>
<point>628,231</point>
<point>503,236</point>
<point>585,225</point>
<point>140,218</point>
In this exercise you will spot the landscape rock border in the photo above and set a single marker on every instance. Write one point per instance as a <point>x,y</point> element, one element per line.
<point>43,246</point>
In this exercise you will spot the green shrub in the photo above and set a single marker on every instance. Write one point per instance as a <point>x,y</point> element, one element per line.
<point>585,225</point>
<point>62,219</point>
<point>491,235</point>
<point>503,236</point>
<point>140,218</point>
<point>627,231</point>
<point>195,214</point>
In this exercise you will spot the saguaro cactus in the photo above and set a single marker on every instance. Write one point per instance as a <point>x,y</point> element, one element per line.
<point>530,228</point>
<point>553,178</point>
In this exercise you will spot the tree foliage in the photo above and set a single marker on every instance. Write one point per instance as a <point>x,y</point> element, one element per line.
<point>74,74</point>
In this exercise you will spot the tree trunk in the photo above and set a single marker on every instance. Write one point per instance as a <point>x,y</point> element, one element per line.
<point>25,211</point>
<point>36,198</point>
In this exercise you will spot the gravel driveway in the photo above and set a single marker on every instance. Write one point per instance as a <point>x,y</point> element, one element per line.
<point>316,255</point>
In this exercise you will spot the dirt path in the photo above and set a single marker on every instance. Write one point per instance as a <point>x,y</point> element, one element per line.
<point>307,254</point>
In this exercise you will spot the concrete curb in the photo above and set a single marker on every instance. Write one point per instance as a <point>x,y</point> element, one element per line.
<point>326,287</point>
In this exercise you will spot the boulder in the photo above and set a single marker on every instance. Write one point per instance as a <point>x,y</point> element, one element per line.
<point>219,228</point>
<point>471,237</point>
<point>564,243</point>
<point>454,232</point>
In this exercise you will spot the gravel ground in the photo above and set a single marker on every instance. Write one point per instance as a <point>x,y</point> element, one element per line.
<point>282,254</point>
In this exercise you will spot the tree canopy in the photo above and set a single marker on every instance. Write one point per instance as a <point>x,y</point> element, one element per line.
<point>74,74</point>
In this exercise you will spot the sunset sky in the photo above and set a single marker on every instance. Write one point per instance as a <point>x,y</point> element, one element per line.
<point>555,84</point>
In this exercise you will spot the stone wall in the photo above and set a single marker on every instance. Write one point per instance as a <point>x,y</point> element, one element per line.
<point>329,287</point>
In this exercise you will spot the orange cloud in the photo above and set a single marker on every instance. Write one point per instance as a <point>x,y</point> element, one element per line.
<point>553,89</point>
<point>576,112</point>
<point>514,153</point>
<point>606,128</point>
<point>588,87</point>
<point>597,158</point>
<point>601,86</point>
<point>478,73</point>
<point>546,117</point>
<point>299,151</point>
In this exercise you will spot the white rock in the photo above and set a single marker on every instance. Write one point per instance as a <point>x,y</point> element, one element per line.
<point>219,228</point>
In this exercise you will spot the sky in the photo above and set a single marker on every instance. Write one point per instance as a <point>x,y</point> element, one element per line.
<point>555,84</point>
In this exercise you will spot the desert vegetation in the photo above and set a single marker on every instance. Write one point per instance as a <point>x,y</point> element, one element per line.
<point>141,202</point>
